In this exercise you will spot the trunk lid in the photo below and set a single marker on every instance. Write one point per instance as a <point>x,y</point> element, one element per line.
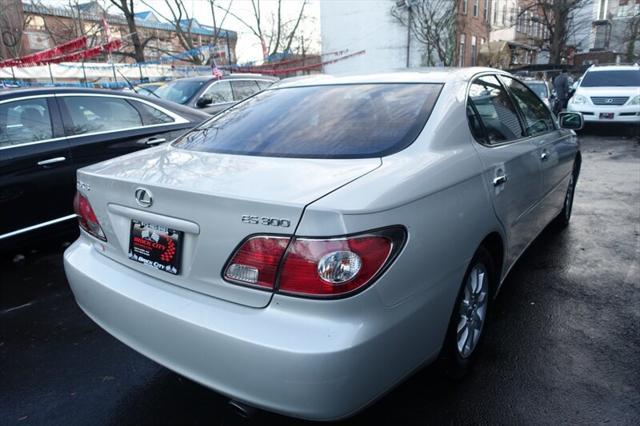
<point>205,196</point>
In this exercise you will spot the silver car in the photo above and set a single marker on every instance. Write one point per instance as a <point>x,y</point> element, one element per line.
<point>308,249</point>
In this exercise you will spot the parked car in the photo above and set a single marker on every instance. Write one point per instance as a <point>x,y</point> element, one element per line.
<point>309,248</point>
<point>542,89</point>
<point>211,94</point>
<point>46,134</point>
<point>608,94</point>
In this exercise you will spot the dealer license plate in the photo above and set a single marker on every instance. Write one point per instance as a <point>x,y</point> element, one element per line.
<point>156,246</point>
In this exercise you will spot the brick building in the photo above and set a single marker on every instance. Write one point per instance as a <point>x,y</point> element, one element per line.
<point>472,30</point>
<point>518,27</point>
<point>31,28</point>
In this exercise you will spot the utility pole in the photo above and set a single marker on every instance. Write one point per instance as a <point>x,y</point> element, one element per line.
<point>408,3</point>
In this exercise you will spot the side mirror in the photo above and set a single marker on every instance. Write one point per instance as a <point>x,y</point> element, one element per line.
<point>204,100</point>
<point>571,120</point>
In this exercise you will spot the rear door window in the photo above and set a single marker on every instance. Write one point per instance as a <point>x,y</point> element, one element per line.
<point>92,114</point>
<point>220,92</point>
<point>151,115</point>
<point>263,84</point>
<point>242,89</point>
<point>496,112</point>
<point>24,121</point>
<point>327,121</point>
<point>537,116</point>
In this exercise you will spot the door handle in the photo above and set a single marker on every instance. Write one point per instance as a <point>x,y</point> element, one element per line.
<point>545,155</point>
<point>499,180</point>
<point>51,161</point>
<point>152,141</point>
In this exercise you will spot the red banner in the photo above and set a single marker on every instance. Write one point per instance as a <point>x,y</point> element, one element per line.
<point>280,71</point>
<point>87,54</point>
<point>45,55</point>
<point>69,57</point>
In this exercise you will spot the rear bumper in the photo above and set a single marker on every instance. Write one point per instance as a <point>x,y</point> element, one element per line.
<point>280,359</point>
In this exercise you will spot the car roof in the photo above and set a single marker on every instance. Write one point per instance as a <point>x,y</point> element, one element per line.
<point>234,76</point>
<point>12,93</point>
<point>413,75</point>
<point>47,90</point>
<point>613,68</point>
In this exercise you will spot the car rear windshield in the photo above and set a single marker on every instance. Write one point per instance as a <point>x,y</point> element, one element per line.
<point>328,121</point>
<point>621,78</point>
<point>179,91</point>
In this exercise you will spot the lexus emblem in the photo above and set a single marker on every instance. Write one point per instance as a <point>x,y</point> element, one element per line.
<point>609,101</point>
<point>144,197</point>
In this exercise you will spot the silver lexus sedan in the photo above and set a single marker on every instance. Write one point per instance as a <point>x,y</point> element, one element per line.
<point>314,245</point>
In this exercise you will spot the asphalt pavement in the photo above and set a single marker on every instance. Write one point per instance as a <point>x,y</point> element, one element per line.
<point>563,346</point>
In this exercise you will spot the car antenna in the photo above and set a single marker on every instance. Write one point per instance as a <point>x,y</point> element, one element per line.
<point>132,87</point>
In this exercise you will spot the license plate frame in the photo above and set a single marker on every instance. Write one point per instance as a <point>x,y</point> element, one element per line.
<point>607,115</point>
<point>157,246</point>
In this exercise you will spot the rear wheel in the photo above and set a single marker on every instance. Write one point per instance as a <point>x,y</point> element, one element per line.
<point>468,321</point>
<point>562,220</point>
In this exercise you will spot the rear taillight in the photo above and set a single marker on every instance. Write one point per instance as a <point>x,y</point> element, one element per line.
<point>256,261</point>
<point>87,217</point>
<point>315,267</point>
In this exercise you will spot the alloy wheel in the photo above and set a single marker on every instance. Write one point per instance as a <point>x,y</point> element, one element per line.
<point>472,310</point>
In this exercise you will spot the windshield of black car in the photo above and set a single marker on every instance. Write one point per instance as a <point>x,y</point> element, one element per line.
<point>619,78</point>
<point>327,121</point>
<point>179,91</point>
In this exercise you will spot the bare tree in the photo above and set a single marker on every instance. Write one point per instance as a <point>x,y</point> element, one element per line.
<point>559,19</point>
<point>216,28</point>
<point>127,8</point>
<point>183,22</point>
<point>275,33</point>
<point>631,38</point>
<point>12,27</point>
<point>433,24</point>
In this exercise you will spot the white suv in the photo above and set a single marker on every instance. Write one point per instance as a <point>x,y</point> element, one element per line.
<point>608,94</point>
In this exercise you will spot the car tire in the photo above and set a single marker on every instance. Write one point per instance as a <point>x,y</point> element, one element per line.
<point>562,220</point>
<point>469,316</point>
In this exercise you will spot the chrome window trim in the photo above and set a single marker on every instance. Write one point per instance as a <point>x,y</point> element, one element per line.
<point>230,80</point>
<point>178,119</point>
<point>37,226</point>
<point>498,74</point>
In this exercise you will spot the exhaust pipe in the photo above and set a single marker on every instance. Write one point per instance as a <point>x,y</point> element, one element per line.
<point>242,410</point>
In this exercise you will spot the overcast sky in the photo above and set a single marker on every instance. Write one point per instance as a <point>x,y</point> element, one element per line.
<point>248,48</point>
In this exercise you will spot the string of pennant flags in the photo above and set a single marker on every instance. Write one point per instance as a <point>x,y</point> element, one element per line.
<point>63,53</point>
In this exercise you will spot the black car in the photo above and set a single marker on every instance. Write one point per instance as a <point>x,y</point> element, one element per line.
<point>212,95</point>
<point>46,134</point>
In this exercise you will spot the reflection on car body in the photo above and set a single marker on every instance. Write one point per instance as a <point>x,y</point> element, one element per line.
<point>211,94</point>
<point>47,134</point>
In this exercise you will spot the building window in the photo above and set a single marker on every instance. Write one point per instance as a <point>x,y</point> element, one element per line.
<point>504,14</point>
<point>474,51</point>
<point>464,7</point>
<point>461,52</point>
<point>486,10</point>
<point>602,10</point>
<point>476,7</point>
<point>494,6</point>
